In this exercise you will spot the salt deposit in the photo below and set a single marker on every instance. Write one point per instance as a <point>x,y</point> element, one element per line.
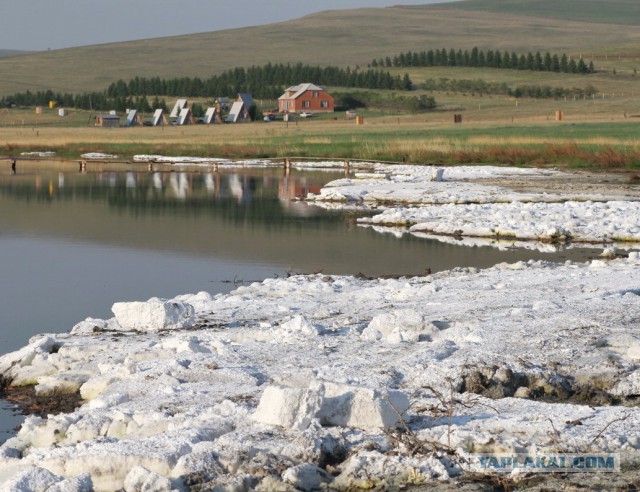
<point>330,381</point>
<point>228,401</point>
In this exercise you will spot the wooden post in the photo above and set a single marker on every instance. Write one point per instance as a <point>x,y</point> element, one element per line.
<point>13,166</point>
<point>82,166</point>
<point>150,167</point>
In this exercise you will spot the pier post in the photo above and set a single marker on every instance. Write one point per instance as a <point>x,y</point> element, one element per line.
<point>13,166</point>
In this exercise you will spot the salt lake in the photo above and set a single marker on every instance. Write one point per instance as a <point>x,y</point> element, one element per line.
<point>73,243</point>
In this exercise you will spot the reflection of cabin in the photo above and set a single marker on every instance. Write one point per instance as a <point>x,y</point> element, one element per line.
<point>185,117</point>
<point>179,106</point>
<point>241,109</point>
<point>295,189</point>
<point>212,116</point>
<point>158,118</point>
<point>305,97</point>
<point>107,120</point>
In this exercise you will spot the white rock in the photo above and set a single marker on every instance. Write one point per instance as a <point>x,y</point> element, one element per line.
<point>405,325</point>
<point>353,406</point>
<point>630,385</point>
<point>153,315</point>
<point>139,479</point>
<point>88,326</point>
<point>306,476</point>
<point>289,407</point>
<point>63,383</point>
<point>297,329</point>
<point>437,174</point>
<point>81,483</point>
<point>633,352</point>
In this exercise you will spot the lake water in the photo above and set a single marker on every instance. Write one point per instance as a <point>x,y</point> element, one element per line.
<point>72,244</point>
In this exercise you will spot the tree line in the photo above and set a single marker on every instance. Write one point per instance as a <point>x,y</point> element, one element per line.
<point>479,86</point>
<point>265,82</point>
<point>490,59</point>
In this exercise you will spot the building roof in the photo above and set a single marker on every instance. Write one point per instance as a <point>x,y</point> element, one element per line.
<point>157,117</point>
<point>298,90</point>
<point>183,117</point>
<point>209,115</point>
<point>235,112</point>
<point>131,117</point>
<point>179,106</point>
<point>246,98</point>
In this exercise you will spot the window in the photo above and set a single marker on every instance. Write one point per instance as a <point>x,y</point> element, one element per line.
<point>305,104</point>
<point>315,93</point>
<point>324,104</point>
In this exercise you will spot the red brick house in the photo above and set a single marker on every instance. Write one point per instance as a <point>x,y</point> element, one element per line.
<point>305,98</point>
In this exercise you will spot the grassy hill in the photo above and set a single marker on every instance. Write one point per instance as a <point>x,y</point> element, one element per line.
<point>352,37</point>
<point>610,12</point>
<point>6,53</point>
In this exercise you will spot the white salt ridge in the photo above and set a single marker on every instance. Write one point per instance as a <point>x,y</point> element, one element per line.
<point>202,161</point>
<point>442,202</point>
<point>98,155</point>
<point>429,185</point>
<point>578,221</point>
<point>39,154</point>
<point>231,404</point>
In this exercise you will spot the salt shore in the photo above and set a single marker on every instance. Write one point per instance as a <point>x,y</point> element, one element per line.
<point>332,382</point>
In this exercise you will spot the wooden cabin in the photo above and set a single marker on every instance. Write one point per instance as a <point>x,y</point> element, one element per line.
<point>308,98</point>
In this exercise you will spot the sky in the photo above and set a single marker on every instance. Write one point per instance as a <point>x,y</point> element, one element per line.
<point>36,25</point>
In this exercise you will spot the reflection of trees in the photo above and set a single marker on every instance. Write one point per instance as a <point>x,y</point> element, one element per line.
<point>231,197</point>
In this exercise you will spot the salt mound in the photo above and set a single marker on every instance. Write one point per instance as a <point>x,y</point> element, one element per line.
<point>404,325</point>
<point>364,408</point>
<point>333,404</point>
<point>154,315</point>
<point>288,407</point>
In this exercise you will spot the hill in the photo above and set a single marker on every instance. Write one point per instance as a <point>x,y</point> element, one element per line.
<point>352,37</point>
<point>609,12</point>
<point>7,53</point>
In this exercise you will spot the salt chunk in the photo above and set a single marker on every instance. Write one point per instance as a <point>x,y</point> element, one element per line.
<point>41,479</point>
<point>96,385</point>
<point>67,383</point>
<point>437,174</point>
<point>153,315</point>
<point>306,476</point>
<point>288,407</point>
<point>141,479</point>
<point>88,326</point>
<point>405,325</point>
<point>364,408</point>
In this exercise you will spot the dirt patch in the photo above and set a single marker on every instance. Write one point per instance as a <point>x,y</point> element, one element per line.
<point>496,382</point>
<point>30,403</point>
<point>624,185</point>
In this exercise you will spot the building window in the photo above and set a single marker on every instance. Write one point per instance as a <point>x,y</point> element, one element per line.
<point>315,93</point>
<point>305,104</point>
<point>324,104</point>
